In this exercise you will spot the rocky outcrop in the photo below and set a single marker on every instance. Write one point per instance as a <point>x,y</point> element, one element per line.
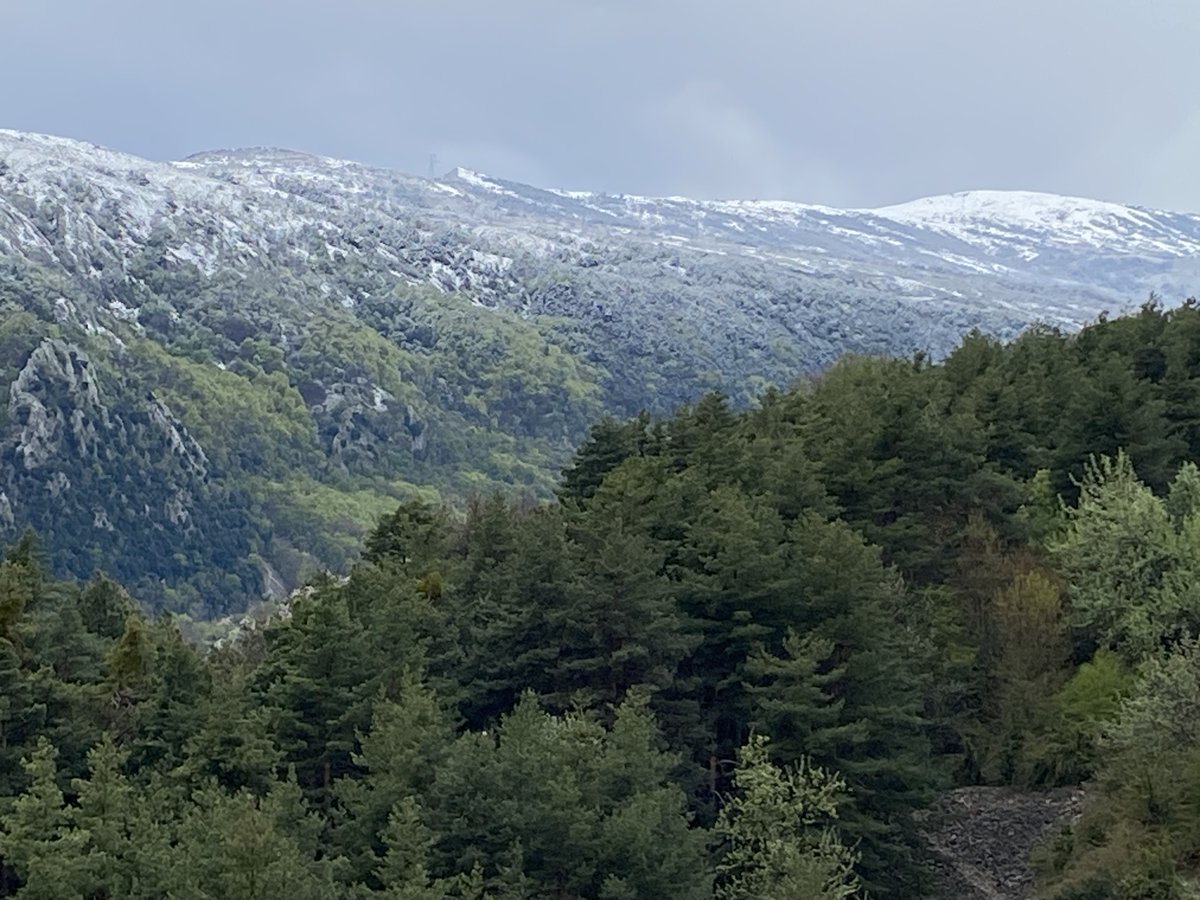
<point>61,423</point>
<point>980,839</point>
<point>359,422</point>
<point>416,428</point>
<point>105,471</point>
<point>182,444</point>
<point>55,402</point>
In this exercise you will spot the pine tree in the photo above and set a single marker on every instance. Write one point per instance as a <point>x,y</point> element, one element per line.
<point>403,872</point>
<point>36,838</point>
<point>608,445</point>
<point>317,683</point>
<point>170,699</point>
<point>413,538</point>
<point>242,846</point>
<point>231,740</point>
<point>623,628</point>
<point>407,738</point>
<point>869,725</point>
<point>577,805</point>
<point>22,719</point>
<point>104,606</point>
<point>106,813</point>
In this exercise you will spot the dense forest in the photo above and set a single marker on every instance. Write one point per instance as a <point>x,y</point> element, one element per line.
<point>732,658</point>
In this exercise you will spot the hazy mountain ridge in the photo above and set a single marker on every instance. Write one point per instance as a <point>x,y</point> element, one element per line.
<point>328,336</point>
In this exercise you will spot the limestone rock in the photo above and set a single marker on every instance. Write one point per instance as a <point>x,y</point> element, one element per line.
<point>56,402</point>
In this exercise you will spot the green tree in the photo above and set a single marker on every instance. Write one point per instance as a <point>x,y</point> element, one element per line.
<point>22,718</point>
<point>624,628</point>
<point>777,833</point>
<point>399,755</point>
<point>585,810</point>
<point>404,869</point>
<point>37,841</point>
<point>608,444</point>
<point>230,742</point>
<point>239,845</point>
<point>844,694</point>
<point>317,683</point>
<point>1116,549</point>
<point>104,606</point>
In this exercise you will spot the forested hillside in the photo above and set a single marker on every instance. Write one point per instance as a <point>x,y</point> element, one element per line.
<point>733,657</point>
<point>216,374</point>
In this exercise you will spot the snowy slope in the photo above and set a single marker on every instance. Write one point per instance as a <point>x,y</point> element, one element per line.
<point>998,260</point>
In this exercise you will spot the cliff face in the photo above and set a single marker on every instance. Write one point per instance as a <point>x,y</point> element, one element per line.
<point>104,470</point>
<point>980,839</point>
<point>64,438</point>
<point>55,404</point>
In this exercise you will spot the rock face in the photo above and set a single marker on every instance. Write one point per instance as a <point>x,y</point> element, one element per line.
<point>357,420</point>
<point>107,473</point>
<point>183,445</point>
<point>980,839</point>
<point>55,401</point>
<point>60,424</point>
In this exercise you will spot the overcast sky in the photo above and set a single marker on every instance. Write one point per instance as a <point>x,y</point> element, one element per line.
<point>844,102</point>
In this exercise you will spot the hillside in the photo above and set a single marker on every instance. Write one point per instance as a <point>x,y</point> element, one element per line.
<point>917,630</point>
<point>222,370</point>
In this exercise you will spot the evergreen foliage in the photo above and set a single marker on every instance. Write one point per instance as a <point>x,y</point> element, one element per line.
<point>908,574</point>
<point>779,835</point>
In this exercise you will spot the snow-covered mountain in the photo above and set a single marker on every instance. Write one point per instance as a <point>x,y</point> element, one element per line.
<point>998,260</point>
<point>233,363</point>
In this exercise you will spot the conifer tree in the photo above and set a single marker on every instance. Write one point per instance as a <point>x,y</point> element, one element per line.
<point>231,741</point>
<point>37,841</point>
<point>608,445</point>
<point>242,846</point>
<point>22,718</point>
<point>317,683</point>
<point>104,606</point>
<point>579,806</point>
<point>868,725</point>
<point>408,737</point>
<point>403,871</point>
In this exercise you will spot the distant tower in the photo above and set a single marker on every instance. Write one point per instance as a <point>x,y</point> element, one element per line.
<point>432,166</point>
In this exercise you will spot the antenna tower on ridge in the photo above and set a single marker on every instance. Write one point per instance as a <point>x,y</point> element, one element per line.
<point>432,166</point>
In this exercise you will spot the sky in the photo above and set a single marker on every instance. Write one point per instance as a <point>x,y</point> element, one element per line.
<point>851,103</point>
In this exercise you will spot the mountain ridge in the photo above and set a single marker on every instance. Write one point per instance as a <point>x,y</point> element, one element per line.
<point>1061,221</point>
<point>332,337</point>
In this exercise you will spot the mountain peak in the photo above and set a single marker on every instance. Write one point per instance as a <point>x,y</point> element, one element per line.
<point>1031,207</point>
<point>991,218</point>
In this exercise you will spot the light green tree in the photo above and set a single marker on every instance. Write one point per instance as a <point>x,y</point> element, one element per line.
<point>777,833</point>
<point>1115,551</point>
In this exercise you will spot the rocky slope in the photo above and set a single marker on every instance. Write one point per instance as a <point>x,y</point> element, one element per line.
<point>980,838</point>
<point>260,350</point>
